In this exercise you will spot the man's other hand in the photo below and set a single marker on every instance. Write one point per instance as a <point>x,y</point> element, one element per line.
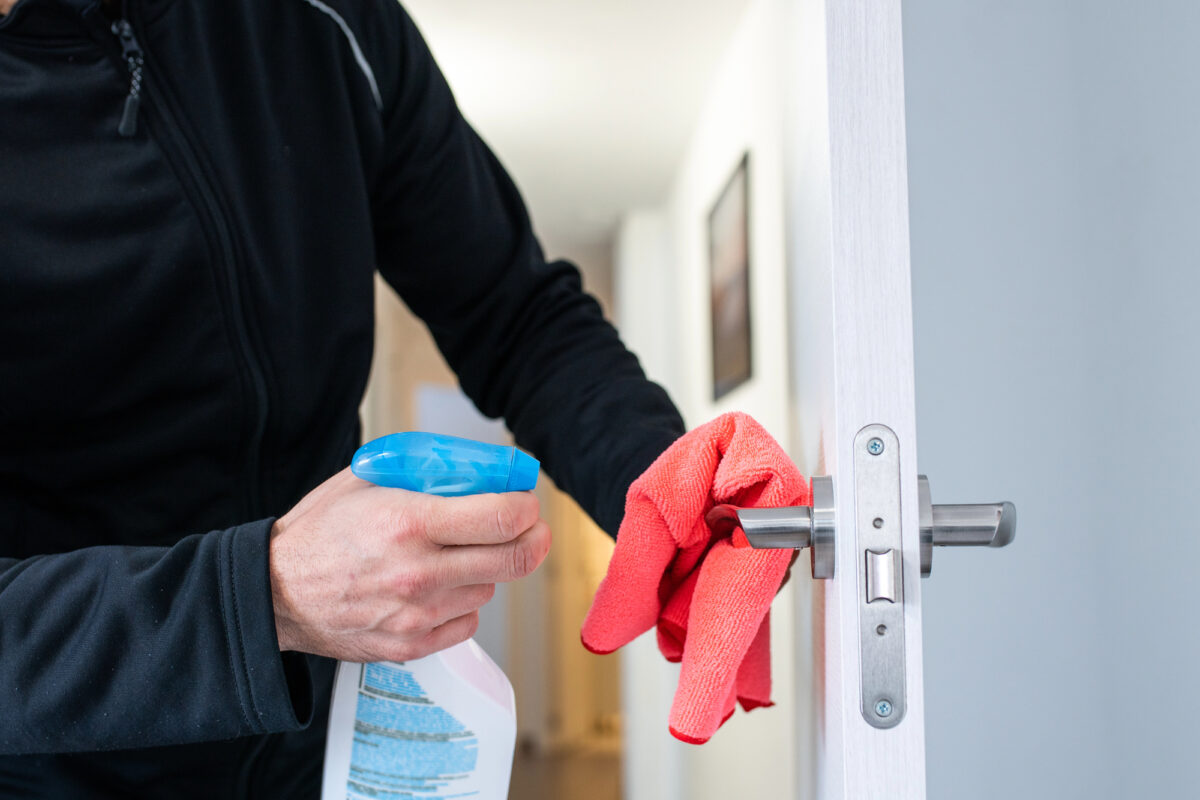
<point>366,573</point>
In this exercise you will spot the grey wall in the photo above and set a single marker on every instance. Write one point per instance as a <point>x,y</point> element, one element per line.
<point>1054,163</point>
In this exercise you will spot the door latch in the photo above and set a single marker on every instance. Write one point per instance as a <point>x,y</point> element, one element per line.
<point>880,562</point>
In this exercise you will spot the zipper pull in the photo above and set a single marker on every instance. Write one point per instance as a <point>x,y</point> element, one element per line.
<point>134,61</point>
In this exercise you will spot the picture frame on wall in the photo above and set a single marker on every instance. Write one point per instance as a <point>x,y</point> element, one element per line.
<point>729,282</point>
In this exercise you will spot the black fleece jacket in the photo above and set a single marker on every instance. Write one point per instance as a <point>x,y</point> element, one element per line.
<point>191,212</point>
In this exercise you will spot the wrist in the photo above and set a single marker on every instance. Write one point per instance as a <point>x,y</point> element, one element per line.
<point>285,624</point>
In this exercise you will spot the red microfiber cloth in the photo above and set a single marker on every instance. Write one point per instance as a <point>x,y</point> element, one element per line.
<point>708,593</point>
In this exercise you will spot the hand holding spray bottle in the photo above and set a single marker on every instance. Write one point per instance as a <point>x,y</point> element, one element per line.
<point>444,725</point>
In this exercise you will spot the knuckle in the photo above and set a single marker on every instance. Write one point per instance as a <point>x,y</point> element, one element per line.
<point>413,584</point>
<point>479,596</point>
<point>401,651</point>
<point>527,509</point>
<point>412,622</point>
<point>400,523</point>
<point>506,522</point>
<point>472,625</point>
<point>522,559</point>
<point>544,539</point>
<point>399,624</point>
<point>424,619</point>
<point>533,505</point>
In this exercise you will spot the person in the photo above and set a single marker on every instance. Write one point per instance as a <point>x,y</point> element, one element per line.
<point>194,198</point>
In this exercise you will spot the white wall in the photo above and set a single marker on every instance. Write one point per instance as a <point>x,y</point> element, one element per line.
<point>1056,269</point>
<point>742,113</point>
<point>643,274</point>
<point>662,299</point>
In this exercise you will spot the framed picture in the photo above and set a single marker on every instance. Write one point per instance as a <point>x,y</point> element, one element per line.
<point>729,278</point>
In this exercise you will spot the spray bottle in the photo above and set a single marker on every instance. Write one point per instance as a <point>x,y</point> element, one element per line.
<point>444,725</point>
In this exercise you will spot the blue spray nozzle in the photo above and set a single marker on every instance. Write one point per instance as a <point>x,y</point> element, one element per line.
<point>449,466</point>
<point>524,473</point>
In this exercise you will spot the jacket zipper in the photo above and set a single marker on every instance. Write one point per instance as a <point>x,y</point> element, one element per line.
<point>218,232</point>
<point>135,60</point>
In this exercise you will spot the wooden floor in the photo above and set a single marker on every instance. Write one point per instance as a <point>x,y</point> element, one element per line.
<point>570,776</point>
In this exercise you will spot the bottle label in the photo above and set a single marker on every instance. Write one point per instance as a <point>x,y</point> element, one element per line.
<point>403,742</point>
<point>400,730</point>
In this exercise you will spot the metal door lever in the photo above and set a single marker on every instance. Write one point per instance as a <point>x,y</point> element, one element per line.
<point>978,525</point>
<point>792,528</point>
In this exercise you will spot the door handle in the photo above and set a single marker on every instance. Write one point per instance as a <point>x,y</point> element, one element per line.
<point>791,528</point>
<point>797,527</point>
<point>876,533</point>
<point>978,525</point>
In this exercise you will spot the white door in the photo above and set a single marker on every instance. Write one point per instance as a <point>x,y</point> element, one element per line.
<point>853,404</point>
<point>852,368</point>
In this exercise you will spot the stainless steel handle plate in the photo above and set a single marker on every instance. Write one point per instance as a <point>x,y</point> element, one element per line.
<point>880,555</point>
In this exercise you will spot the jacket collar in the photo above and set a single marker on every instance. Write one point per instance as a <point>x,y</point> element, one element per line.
<point>48,19</point>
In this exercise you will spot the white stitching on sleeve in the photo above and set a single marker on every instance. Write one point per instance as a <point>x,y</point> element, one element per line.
<point>354,48</point>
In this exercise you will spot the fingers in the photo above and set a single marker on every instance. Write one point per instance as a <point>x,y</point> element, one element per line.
<point>498,563</point>
<point>437,623</point>
<point>451,633</point>
<point>392,648</point>
<point>482,519</point>
<point>460,601</point>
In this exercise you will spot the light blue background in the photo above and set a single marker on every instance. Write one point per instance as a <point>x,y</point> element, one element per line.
<point>1054,155</point>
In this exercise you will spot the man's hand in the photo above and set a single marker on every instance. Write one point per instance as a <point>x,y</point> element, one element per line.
<point>365,573</point>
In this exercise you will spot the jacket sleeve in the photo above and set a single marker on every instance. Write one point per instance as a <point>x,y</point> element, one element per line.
<point>114,647</point>
<point>454,239</point>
